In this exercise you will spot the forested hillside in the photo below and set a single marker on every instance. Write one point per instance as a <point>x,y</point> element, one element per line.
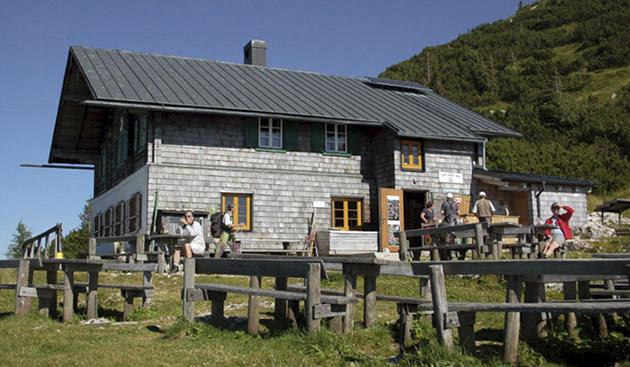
<point>558,71</point>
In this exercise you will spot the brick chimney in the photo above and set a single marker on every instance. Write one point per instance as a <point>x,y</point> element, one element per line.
<point>255,53</point>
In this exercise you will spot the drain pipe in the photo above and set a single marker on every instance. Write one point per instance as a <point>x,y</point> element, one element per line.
<point>537,194</point>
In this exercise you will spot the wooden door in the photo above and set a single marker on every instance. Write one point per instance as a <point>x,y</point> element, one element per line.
<point>391,217</point>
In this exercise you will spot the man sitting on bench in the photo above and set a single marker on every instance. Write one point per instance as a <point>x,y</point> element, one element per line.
<point>190,228</point>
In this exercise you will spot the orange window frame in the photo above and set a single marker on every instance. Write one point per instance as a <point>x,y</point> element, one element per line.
<point>247,223</point>
<point>346,213</point>
<point>409,160</point>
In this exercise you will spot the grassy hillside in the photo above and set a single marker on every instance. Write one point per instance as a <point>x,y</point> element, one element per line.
<point>559,72</point>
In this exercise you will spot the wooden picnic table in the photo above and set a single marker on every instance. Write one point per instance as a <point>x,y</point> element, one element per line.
<point>164,245</point>
<point>438,249</point>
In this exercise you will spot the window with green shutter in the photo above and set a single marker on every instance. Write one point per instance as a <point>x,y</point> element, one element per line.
<point>317,137</point>
<point>290,135</point>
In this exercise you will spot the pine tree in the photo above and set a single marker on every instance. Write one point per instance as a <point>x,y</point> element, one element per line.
<point>22,233</point>
<point>75,243</point>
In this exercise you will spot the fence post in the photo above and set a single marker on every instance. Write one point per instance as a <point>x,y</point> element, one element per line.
<point>312,296</point>
<point>280,305</point>
<point>22,304</point>
<point>140,254</point>
<point>512,321</point>
<point>252,309</point>
<point>440,305</point>
<point>350,284</point>
<point>570,293</point>
<point>189,284</point>
<point>478,241</point>
<point>92,249</point>
<point>404,246</point>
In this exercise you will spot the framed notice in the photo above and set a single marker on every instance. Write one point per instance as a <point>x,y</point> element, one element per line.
<point>450,177</point>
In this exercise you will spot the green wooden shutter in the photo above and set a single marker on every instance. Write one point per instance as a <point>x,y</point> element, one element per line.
<point>124,144</point>
<point>250,128</point>
<point>317,137</point>
<point>354,140</point>
<point>290,135</point>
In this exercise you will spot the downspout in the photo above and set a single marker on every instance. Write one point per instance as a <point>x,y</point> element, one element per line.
<point>537,194</point>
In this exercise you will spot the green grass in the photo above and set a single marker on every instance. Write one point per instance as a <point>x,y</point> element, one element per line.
<point>158,336</point>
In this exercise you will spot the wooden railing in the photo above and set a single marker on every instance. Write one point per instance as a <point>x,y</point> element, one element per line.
<point>37,246</point>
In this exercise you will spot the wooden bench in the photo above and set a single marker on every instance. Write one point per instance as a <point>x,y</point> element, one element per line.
<point>9,264</point>
<point>129,292</point>
<point>317,306</point>
<point>448,316</point>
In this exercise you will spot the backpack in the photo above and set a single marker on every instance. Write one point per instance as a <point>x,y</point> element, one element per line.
<point>216,227</point>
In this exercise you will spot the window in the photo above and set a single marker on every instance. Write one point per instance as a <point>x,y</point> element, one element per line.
<point>270,133</point>
<point>411,155</point>
<point>140,132</point>
<point>107,226</point>
<point>336,138</point>
<point>242,214</point>
<point>119,219</point>
<point>102,167</point>
<point>347,214</point>
<point>134,208</point>
<point>121,144</point>
<point>96,229</point>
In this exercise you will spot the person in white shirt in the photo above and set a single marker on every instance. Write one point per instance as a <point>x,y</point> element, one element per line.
<point>227,236</point>
<point>191,229</point>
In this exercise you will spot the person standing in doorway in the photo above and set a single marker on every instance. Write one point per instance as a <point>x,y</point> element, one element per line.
<point>483,209</point>
<point>427,216</point>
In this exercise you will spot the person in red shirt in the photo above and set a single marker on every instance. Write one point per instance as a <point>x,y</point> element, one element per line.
<point>562,232</point>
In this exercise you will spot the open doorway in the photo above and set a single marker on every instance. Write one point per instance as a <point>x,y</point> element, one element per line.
<point>414,202</point>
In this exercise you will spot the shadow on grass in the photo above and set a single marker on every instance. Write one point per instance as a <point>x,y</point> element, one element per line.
<point>4,315</point>
<point>106,313</point>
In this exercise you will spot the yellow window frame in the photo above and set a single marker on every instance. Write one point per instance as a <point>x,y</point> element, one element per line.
<point>235,216</point>
<point>346,213</point>
<point>414,162</point>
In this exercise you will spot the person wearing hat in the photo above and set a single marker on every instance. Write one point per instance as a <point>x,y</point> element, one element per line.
<point>483,208</point>
<point>562,232</point>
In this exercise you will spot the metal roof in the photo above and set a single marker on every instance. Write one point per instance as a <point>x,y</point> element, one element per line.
<point>411,109</point>
<point>531,178</point>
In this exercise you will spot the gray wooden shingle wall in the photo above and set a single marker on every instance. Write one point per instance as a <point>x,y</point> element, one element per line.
<point>452,157</point>
<point>575,198</point>
<point>200,157</point>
